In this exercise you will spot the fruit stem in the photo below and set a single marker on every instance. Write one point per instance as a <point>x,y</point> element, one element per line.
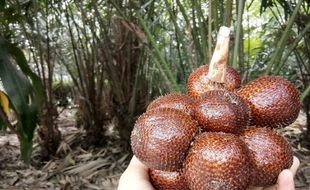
<point>218,63</point>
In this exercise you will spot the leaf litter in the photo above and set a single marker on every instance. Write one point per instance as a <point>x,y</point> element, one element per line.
<point>76,168</point>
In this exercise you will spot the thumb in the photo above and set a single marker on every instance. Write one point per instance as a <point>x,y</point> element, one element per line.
<point>286,181</point>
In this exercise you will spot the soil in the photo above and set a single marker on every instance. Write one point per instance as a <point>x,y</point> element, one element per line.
<point>77,168</point>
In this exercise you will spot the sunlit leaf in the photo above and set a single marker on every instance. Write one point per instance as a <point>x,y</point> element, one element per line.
<point>4,102</point>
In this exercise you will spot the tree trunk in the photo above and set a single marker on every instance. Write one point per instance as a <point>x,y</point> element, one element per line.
<point>95,131</point>
<point>124,125</point>
<point>49,134</point>
<point>307,110</point>
<point>94,119</point>
<point>95,135</point>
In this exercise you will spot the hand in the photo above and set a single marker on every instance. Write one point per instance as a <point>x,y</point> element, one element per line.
<point>136,177</point>
<point>285,179</point>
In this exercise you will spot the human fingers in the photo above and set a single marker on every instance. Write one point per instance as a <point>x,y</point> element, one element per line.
<point>295,165</point>
<point>283,177</point>
<point>286,180</point>
<point>135,177</point>
<point>286,177</point>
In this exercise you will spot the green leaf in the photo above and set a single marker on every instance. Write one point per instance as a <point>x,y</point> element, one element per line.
<point>2,5</point>
<point>16,84</point>
<point>21,92</point>
<point>25,128</point>
<point>29,119</point>
<point>22,63</point>
<point>2,126</point>
<point>25,146</point>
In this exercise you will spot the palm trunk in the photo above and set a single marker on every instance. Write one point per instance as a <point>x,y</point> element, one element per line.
<point>307,110</point>
<point>49,134</point>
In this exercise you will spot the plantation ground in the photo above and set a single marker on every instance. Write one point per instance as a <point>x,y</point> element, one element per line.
<point>94,169</point>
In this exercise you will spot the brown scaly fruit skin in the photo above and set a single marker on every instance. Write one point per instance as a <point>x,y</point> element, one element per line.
<point>163,180</point>
<point>161,138</point>
<point>174,100</point>
<point>221,111</point>
<point>217,161</point>
<point>274,101</point>
<point>198,82</point>
<point>269,155</point>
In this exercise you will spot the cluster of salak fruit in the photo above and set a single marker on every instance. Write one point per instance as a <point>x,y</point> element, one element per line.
<point>220,135</point>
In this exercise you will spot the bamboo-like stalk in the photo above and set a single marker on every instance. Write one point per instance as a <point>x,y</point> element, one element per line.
<point>305,93</point>
<point>195,34</point>
<point>228,13</point>
<point>132,105</point>
<point>238,32</point>
<point>246,75</point>
<point>203,32</point>
<point>291,48</point>
<point>162,64</point>
<point>210,17</point>
<point>105,49</point>
<point>183,11</point>
<point>192,33</point>
<point>50,65</point>
<point>73,44</point>
<point>276,57</point>
<point>215,16</point>
<point>158,55</point>
<point>40,51</point>
<point>179,35</point>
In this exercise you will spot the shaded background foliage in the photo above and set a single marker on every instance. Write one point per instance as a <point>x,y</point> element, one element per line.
<point>111,58</point>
